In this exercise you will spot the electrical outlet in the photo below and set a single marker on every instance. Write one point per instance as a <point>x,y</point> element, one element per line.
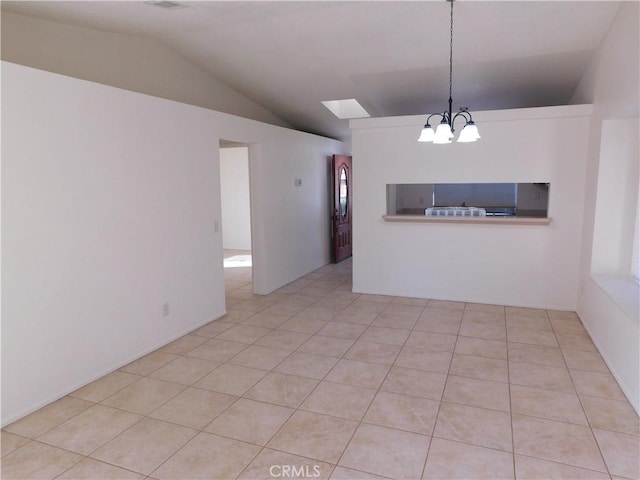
<point>165,310</point>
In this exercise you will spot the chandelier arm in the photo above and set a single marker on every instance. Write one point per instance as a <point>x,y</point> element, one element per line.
<point>434,114</point>
<point>464,115</point>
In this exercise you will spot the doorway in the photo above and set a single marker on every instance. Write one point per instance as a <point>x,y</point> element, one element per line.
<point>341,215</point>
<point>236,221</point>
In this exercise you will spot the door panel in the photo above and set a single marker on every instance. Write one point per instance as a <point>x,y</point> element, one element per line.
<point>341,225</point>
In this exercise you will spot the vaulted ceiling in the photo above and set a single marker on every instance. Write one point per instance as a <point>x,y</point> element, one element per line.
<point>392,56</point>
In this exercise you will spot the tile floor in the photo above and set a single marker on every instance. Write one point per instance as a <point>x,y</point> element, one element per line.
<point>314,381</point>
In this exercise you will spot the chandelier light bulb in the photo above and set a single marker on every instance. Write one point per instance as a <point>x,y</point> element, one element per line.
<point>469,133</point>
<point>443,133</point>
<point>427,134</point>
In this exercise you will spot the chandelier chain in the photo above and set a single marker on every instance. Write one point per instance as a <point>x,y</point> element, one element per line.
<point>445,130</point>
<point>451,53</point>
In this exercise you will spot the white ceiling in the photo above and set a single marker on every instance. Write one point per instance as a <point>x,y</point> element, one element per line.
<point>392,56</point>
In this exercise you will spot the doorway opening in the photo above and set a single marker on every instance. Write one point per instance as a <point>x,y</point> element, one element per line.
<point>341,225</point>
<point>236,221</point>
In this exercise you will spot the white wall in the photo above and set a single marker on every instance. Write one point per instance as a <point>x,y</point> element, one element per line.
<point>608,305</point>
<point>103,193</point>
<point>124,61</point>
<point>290,224</point>
<point>109,204</point>
<point>534,266</point>
<point>235,198</point>
<point>617,194</point>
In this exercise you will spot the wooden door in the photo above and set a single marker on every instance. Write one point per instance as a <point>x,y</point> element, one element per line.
<point>341,230</point>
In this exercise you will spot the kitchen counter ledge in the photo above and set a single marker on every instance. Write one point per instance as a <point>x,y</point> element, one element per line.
<point>478,220</point>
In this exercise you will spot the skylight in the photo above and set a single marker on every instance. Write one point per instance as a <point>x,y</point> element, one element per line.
<point>349,108</point>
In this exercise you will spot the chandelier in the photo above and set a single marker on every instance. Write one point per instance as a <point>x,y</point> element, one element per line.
<point>444,132</point>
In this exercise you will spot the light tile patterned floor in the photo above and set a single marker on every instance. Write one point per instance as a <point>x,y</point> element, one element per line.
<point>314,381</point>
